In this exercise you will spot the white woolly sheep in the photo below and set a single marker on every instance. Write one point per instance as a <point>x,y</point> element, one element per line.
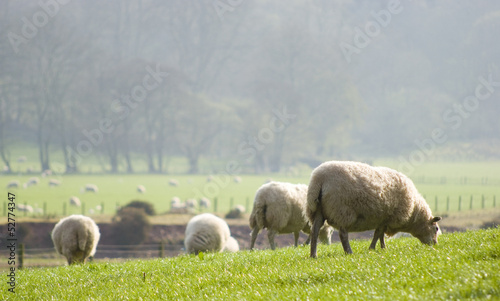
<point>354,197</point>
<point>76,237</point>
<point>175,200</point>
<point>237,179</point>
<point>25,208</point>
<point>22,159</point>
<point>74,201</point>
<point>236,212</point>
<point>13,184</point>
<point>91,188</point>
<point>208,233</point>
<point>204,203</point>
<point>173,182</point>
<point>54,182</point>
<point>46,173</point>
<point>141,189</point>
<point>31,182</point>
<point>191,203</point>
<point>280,207</point>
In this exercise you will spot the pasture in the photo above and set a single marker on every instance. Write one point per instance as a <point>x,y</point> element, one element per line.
<point>462,266</point>
<point>444,181</point>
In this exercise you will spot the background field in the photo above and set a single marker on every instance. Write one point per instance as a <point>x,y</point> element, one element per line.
<point>479,180</point>
<point>462,266</point>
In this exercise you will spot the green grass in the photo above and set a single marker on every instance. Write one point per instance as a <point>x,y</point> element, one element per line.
<point>121,188</point>
<point>462,266</point>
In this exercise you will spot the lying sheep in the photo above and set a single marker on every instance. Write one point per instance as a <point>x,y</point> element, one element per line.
<point>141,189</point>
<point>173,183</point>
<point>355,197</point>
<point>280,207</point>
<point>74,201</point>
<point>208,233</point>
<point>25,208</point>
<point>76,237</point>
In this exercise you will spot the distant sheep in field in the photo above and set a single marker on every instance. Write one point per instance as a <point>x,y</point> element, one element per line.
<point>191,203</point>
<point>175,201</point>
<point>25,208</point>
<point>74,201</point>
<point>5,169</point>
<point>54,183</point>
<point>46,173</point>
<point>22,159</point>
<point>280,207</point>
<point>204,203</point>
<point>76,238</point>
<point>210,178</point>
<point>141,189</point>
<point>354,197</point>
<point>91,188</point>
<point>173,182</point>
<point>236,212</point>
<point>208,233</point>
<point>31,182</point>
<point>13,184</point>
<point>237,179</point>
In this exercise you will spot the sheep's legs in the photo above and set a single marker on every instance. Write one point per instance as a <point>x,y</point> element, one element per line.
<point>308,240</point>
<point>270,236</point>
<point>379,234</point>
<point>318,222</point>
<point>255,232</point>
<point>344,238</point>
<point>296,236</point>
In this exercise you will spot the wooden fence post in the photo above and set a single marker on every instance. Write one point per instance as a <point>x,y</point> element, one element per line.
<point>21,256</point>
<point>459,203</point>
<point>162,249</point>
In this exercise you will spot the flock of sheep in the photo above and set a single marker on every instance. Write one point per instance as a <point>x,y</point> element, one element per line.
<point>347,196</point>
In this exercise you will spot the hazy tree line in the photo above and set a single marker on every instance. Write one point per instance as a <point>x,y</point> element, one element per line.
<point>262,83</point>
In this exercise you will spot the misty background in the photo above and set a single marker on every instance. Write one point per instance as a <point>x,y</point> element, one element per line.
<point>264,84</point>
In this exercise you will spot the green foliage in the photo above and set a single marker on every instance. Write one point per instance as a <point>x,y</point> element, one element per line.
<point>462,266</point>
<point>130,226</point>
<point>148,207</point>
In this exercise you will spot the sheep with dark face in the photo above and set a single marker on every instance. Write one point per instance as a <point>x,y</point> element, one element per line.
<point>76,237</point>
<point>280,208</point>
<point>354,197</point>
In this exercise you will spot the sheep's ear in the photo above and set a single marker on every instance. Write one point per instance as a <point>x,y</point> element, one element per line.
<point>436,219</point>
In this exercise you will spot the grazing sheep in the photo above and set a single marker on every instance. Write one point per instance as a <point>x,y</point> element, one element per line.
<point>31,182</point>
<point>175,200</point>
<point>191,203</point>
<point>141,189</point>
<point>13,184</point>
<point>204,203</point>
<point>76,238</point>
<point>236,212</point>
<point>91,188</point>
<point>354,197</point>
<point>46,173</point>
<point>22,159</point>
<point>208,233</point>
<point>74,201</point>
<point>54,183</point>
<point>237,179</point>
<point>280,207</point>
<point>173,182</point>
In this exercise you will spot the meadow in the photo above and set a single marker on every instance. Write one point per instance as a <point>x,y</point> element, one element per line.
<point>461,266</point>
<point>119,189</point>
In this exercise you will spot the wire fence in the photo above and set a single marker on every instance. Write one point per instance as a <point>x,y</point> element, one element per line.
<point>38,257</point>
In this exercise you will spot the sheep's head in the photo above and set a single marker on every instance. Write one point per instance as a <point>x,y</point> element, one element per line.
<point>429,232</point>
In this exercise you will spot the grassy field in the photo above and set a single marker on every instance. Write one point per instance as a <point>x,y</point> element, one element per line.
<point>462,266</point>
<point>120,189</point>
